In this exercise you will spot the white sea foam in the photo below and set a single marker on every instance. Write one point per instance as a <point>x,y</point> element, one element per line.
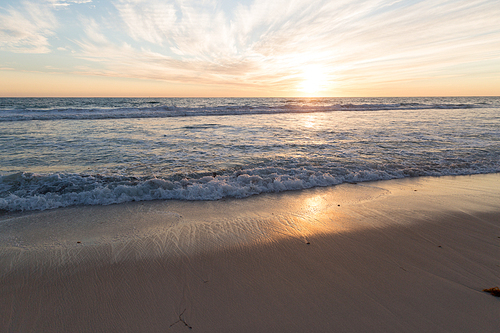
<point>24,192</point>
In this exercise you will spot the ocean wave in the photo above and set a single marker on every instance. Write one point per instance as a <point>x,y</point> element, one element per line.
<point>28,191</point>
<point>165,111</point>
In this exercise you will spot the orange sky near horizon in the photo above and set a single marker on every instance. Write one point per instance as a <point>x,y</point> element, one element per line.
<point>28,84</point>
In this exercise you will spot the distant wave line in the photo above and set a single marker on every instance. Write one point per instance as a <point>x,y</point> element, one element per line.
<point>172,111</point>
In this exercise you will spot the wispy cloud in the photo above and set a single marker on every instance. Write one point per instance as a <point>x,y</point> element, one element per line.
<point>66,3</point>
<point>26,30</point>
<point>265,44</point>
<point>268,43</point>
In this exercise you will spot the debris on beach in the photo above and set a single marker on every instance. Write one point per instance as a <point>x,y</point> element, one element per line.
<point>495,291</point>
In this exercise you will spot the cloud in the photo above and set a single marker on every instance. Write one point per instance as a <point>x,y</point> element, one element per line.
<point>188,27</point>
<point>66,3</point>
<point>264,44</point>
<point>151,21</point>
<point>270,43</point>
<point>26,30</point>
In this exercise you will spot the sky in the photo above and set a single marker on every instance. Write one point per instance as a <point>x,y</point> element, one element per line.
<point>249,48</point>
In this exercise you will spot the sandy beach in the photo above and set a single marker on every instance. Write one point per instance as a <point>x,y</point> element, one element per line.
<point>408,255</point>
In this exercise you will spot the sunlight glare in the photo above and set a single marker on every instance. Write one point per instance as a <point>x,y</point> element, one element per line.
<point>310,121</point>
<point>314,80</point>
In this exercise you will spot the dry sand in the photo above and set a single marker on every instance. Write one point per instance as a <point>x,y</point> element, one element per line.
<point>410,255</point>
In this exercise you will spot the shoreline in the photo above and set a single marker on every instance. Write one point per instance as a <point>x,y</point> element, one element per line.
<point>404,255</point>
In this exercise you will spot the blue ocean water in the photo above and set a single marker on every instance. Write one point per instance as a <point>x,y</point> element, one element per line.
<point>58,152</point>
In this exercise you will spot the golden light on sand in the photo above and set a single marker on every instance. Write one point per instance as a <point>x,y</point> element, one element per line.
<point>314,80</point>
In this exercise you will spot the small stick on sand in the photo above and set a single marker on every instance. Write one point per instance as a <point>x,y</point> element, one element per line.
<point>181,320</point>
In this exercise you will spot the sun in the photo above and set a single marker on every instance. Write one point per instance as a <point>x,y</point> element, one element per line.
<point>314,80</point>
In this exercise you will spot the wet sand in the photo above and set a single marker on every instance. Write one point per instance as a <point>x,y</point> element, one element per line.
<point>409,255</point>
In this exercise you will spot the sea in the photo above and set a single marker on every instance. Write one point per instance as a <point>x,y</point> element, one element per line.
<point>59,152</point>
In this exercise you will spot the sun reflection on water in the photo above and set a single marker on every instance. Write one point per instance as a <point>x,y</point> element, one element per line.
<point>310,121</point>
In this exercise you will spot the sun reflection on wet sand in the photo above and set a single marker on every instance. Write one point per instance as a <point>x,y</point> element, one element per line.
<point>173,228</point>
